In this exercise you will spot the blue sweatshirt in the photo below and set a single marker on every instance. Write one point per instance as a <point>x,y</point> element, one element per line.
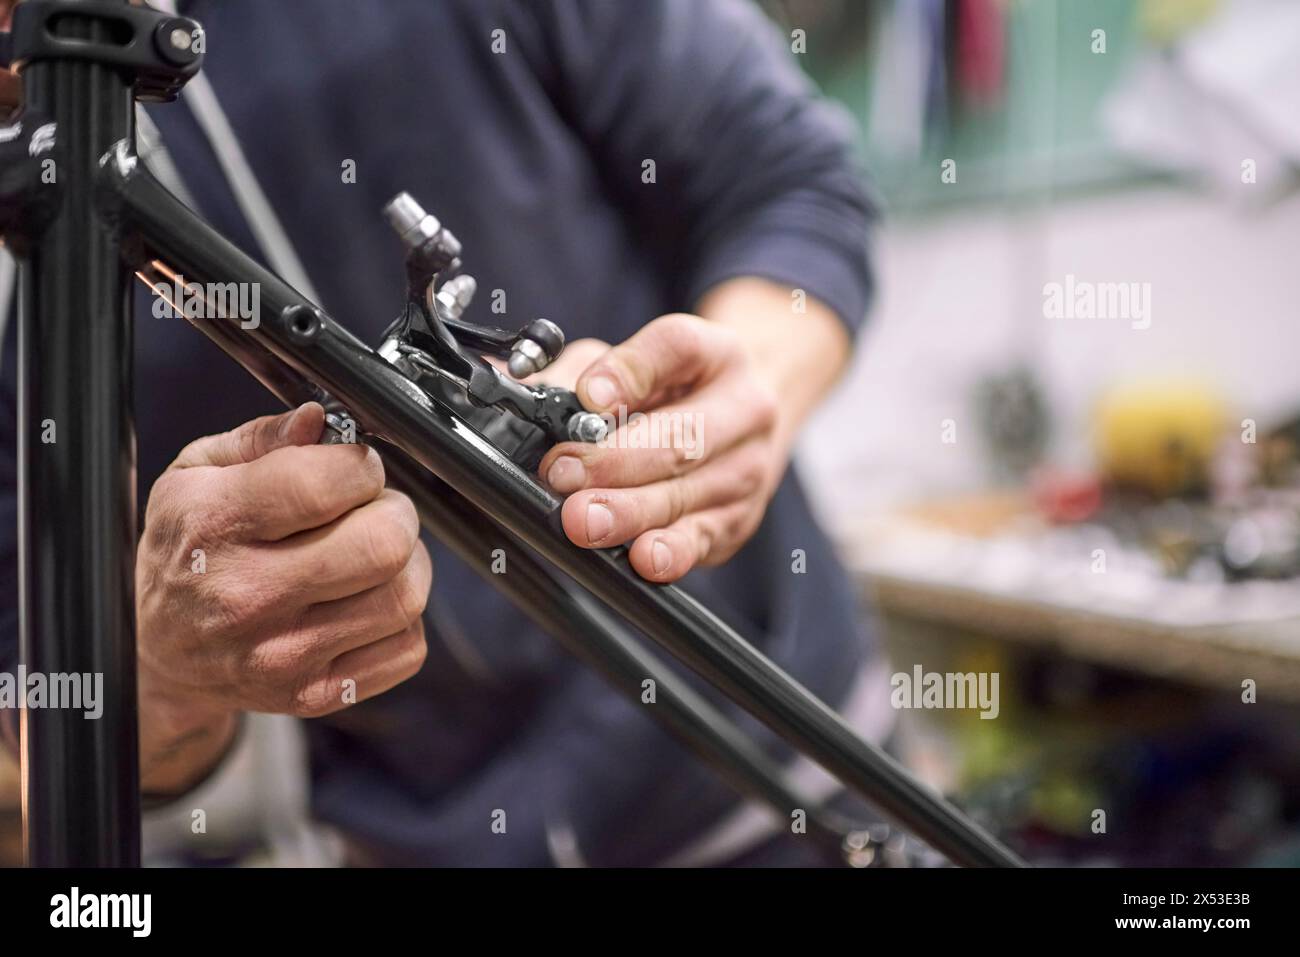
<point>530,144</point>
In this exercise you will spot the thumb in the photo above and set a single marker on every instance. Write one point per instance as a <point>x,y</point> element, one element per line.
<point>254,439</point>
<point>673,351</point>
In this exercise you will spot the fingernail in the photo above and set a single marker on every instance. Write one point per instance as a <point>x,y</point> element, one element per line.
<point>602,391</point>
<point>661,556</point>
<point>566,474</point>
<point>600,522</point>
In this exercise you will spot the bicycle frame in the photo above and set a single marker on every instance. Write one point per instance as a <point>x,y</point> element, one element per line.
<point>77,495</point>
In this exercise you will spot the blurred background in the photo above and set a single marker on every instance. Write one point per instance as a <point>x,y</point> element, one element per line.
<point>1069,448</point>
<point>1102,505</point>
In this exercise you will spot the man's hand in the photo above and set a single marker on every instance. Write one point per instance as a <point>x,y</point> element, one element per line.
<point>273,575</point>
<point>11,87</point>
<point>723,396</point>
<point>688,483</point>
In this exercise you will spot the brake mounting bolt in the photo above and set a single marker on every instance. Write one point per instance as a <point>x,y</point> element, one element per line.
<point>587,427</point>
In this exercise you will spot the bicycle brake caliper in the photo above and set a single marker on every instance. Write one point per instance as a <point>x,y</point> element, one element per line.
<point>440,351</point>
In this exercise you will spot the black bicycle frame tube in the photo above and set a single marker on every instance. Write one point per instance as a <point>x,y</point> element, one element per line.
<point>76,479</point>
<point>156,227</point>
<point>600,641</point>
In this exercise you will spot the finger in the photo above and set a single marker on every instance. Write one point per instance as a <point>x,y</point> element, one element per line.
<point>11,87</point>
<point>600,518</point>
<point>292,490</point>
<point>671,353</point>
<point>365,672</point>
<point>709,537</point>
<point>252,440</point>
<point>386,609</point>
<point>363,549</point>
<point>661,444</point>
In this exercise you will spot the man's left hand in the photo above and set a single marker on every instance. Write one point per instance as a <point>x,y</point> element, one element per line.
<point>693,459</point>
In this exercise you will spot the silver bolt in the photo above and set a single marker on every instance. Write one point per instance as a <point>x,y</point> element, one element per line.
<point>587,427</point>
<point>337,429</point>
<point>180,38</point>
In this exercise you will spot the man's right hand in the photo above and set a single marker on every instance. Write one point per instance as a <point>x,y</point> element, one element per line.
<point>273,575</point>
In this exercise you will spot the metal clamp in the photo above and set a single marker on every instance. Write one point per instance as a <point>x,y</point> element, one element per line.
<point>161,52</point>
<point>433,344</point>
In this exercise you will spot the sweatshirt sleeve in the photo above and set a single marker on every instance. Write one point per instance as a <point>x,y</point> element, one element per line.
<point>701,123</point>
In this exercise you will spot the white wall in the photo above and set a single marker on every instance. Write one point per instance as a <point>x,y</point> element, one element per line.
<point>962,296</point>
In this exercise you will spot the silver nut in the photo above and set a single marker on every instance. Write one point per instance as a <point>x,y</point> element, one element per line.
<point>454,297</point>
<point>527,358</point>
<point>339,429</point>
<point>587,427</point>
<point>410,221</point>
<point>403,212</point>
<point>462,289</point>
